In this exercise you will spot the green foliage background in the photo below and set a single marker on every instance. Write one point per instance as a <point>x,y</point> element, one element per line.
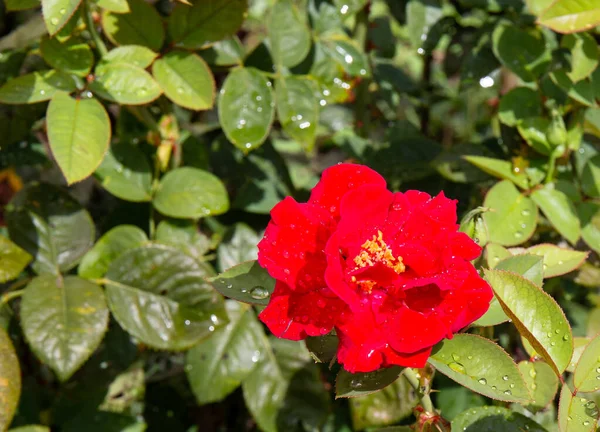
<point>143,144</point>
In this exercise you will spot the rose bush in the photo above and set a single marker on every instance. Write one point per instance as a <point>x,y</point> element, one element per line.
<point>389,271</point>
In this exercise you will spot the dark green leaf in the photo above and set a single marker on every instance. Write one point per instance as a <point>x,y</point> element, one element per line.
<point>203,23</point>
<point>51,226</point>
<point>521,51</point>
<point>385,407</point>
<point>323,349</point>
<point>482,366</point>
<point>584,55</point>
<point>363,383</point>
<point>142,25</point>
<point>109,247</point>
<point>494,419</point>
<point>159,295</point>
<point>519,104</point>
<point>126,173</point>
<point>78,132</point>
<point>247,282</point>
<point>246,108</point>
<point>64,321</point>
<point>217,366</point>
<point>183,235</point>
<point>190,193</point>
<point>589,214</point>
<point>13,260</point>
<point>590,178</point>
<point>185,79</point>
<point>345,52</point>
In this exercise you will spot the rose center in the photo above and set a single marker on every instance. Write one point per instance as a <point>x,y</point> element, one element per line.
<point>376,264</point>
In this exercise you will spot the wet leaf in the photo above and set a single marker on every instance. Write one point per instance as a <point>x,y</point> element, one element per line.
<point>10,380</point>
<point>125,84</point>
<point>36,87</point>
<point>71,56</point>
<point>247,282</point>
<point>13,260</point>
<point>289,34</point>
<point>142,25</point>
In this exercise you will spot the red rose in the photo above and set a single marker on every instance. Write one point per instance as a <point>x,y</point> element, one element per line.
<point>389,271</point>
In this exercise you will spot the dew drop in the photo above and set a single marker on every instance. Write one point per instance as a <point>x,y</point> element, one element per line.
<point>259,293</point>
<point>482,381</point>
<point>507,392</point>
<point>457,367</point>
<point>505,377</point>
<point>586,423</point>
<point>355,383</point>
<point>518,234</point>
<point>54,21</point>
<point>525,212</point>
<point>255,356</point>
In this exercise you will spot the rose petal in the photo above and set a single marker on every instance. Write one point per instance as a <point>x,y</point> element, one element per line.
<point>292,247</point>
<point>291,315</point>
<point>339,179</point>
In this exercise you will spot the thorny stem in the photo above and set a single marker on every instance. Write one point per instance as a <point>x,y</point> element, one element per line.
<point>89,22</point>
<point>412,379</point>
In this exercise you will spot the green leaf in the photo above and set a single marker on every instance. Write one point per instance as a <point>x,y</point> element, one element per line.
<point>557,260</point>
<point>36,87</point>
<point>285,388</point>
<point>125,84</point>
<point>204,23</point>
<point>10,380</point>
<point>495,253</point>
<point>579,344</point>
<point>158,295</point>
<point>183,235</point>
<point>226,52</point>
<point>136,55</point>
<point>519,104</point>
<point>57,13</point>
<point>71,56</point>
<point>385,407</point>
<point>528,266</point>
<point>499,168</point>
<point>533,130</point>
<point>576,414</point>
<point>565,16</point>
<point>118,6</point>
<point>590,177</point>
<point>190,193</point>
<point>239,245</point>
<point>78,133</point>
<point>64,321</point>
<point>559,210</point>
<point>185,79</point>
<point>494,418</point>
<point>246,108</point>
<point>584,55</point>
<point>420,17</point>
<point>13,260</point>
<point>217,366</point>
<point>364,383</point>
<point>480,365</point>
<point>587,370</point>
<point>51,226</point>
<point>126,173</point>
<point>536,315</point>
<point>582,91</point>
<point>108,248</point>
<point>142,25</point>
<point>523,52</point>
<point>494,315</point>
<point>542,383</point>
<point>512,217</point>
<point>346,53</point>
<point>289,35</point>
<point>297,109</point>
<point>589,214</point>
<point>322,349</point>
<point>247,282</point>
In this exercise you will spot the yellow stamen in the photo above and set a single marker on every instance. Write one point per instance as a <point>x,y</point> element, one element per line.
<point>376,251</point>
